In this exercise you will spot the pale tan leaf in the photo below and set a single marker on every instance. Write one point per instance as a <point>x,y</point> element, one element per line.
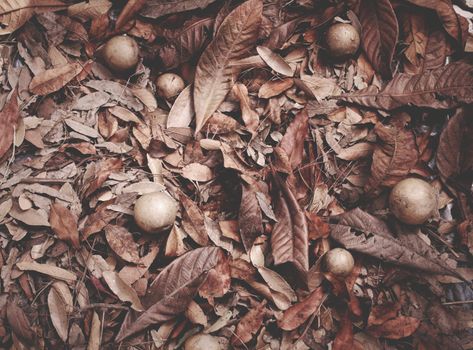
<point>182,111</point>
<point>147,98</point>
<point>214,76</point>
<point>95,331</point>
<point>50,270</point>
<point>60,304</point>
<point>122,290</point>
<point>143,188</point>
<point>124,114</point>
<point>357,151</point>
<point>197,172</point>
<point>5,208</point>
<point>64,224</point>
<point>30,217</point>
<point>249,116</point>
<point>195,314</point>
<point>122,243</point>
<point>82,128</point>
<point>89,9</point>
<point>274,61</point>
<point>15,13</point>
<point>275,87</point>
<point>52,80</point>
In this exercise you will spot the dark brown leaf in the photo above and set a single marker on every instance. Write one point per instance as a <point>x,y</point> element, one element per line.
<point>103,170</point>
<point>454,153</point>
<point>130,9</point>
<point>289,239</point>
<point>379,33</point>
<point>359,231</point>
<point>394,156</point>
<point>250,217</point>
<point>445,87</point>
<point>172,290</point>
<point>64,224</point>
<point>293,141</point>
<point>193,221</point>
<point>297,314</point>
<point>53,79</point>
<point>8,119</point>
<point>396,328</point>
<point>19,322</point>
<point>446,13</point>
<point>213,76</point>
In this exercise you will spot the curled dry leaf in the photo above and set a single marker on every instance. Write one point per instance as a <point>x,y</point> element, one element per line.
<point>173,289</point>
<point>60,305</point>
<point>159,8</point>
<point>19,322</point>
<point>297,314</point>
<point>249,324</point>
<point>249,116</point>
<point>122,243</point>
<point>379,33</point>
<point>52,80</point>
<point>8,119</point>
<point>13,14</point>
<point>396,328</point>
<point>445,87</point>
<point>276,62</point>
<point>95,331</point>
<point>275,87</point>
<point>250,218</point>
<point>193,221</point>
<point>122,290</point>
<point>182,111</point>
<point>359,231</point>
<point>64,224</point>
<point>394,156</point>
<point>50,270</point>
<point>294,138</point>
<point>214,75</point>
<point>197,172</point>
<point>289,239</point>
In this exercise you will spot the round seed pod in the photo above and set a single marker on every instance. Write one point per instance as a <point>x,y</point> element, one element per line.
<point>155,212</point>
<point>339,261</point>
<point>169,85</point>
<point>121,53</point>
<point>202,341</point>
<point>342,40</point>
<point>413,201</point>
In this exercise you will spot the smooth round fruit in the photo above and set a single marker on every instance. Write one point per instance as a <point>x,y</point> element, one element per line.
<point>342,40</point>
<point>155,212</point>
<point>413,201</point>
<point>169,85</point>
<point>202,342</point>
<point>121,53</point>
<point>339,261</point>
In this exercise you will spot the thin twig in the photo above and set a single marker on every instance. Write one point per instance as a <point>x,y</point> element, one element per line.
<point>104,306</point>
<point>460,302</point>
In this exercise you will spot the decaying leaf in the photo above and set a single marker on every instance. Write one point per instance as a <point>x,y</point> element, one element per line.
<point>172,290</point>
<point>50,270</point>
<point>122,290</point>
<point>158,8</point>
<point>289,239</point>
<point>60,305</point>
<point>64,224</point>
<point>8,118</point>
<point>53,79</point>
<point>249,324</point>
<point>250,217</point>
<point>214,76</point>
<point>122,243</point>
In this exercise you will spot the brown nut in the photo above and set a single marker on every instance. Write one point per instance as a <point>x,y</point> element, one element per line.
<point>342,40</point>
<point>169,85</point>
<point>413,201</point>
<point>339,261</point>
<point>155,212</point>
<point>121,53</point>
<point>202,341</point>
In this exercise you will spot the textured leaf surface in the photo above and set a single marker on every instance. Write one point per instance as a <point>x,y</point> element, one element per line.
<point>53,79</point>
<point>214,76</point>
<point>250,217</point>
<point>394,156</point>
<point>172,290</point>
<point>359,231</point>
<point>289,239</point>
<point>8,119</point>
<point>15,13</point>
<point>445,87</point>
<point>159,8</point>
<point>64,224</point>
<point>379,33</point>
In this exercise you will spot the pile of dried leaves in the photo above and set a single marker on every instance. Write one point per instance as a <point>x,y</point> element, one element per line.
<point>275,152</point>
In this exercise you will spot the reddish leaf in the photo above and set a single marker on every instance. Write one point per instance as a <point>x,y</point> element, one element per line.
<point>445,87</point>
<point>382,313</point>
<point>396,328</point>
<point>172,290</point>
<point>64,224</point>
<point>213,76</point>
<point>250,324</point>
<point>193,221</point>
<point>130,9</point>
<point>122,243</point>
<point>103,170</point>
<point>379,33</point>
<point>52,80</point>
<point>293,141</point>
<point>8,119</point>
<point>250,218</point>
<point>289,239</point>
<point>217,282</point>
<point>394,156</point>
<point>344,338</point>
<point>297,314</point>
